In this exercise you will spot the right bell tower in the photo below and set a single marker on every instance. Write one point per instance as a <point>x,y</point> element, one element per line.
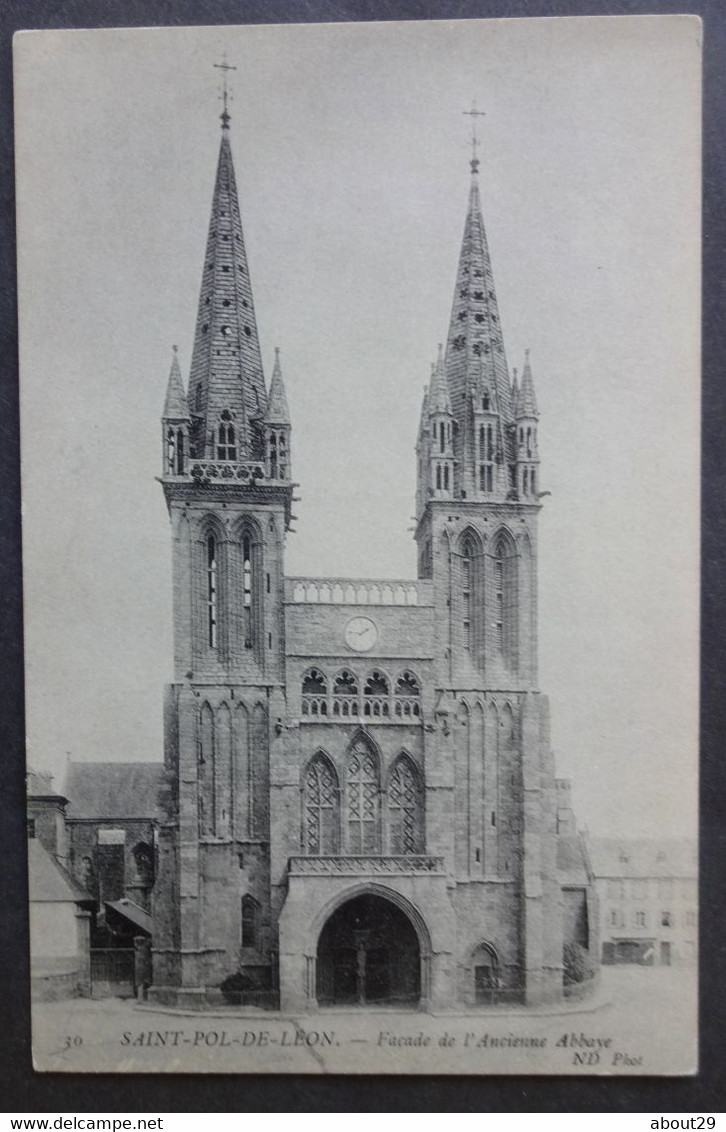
<point>478,494</point>
<point>478,501</point>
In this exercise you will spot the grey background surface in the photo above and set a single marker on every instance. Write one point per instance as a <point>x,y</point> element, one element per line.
<point>22,1090</point>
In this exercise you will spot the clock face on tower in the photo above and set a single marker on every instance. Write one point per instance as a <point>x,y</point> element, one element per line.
<point>361,633</point>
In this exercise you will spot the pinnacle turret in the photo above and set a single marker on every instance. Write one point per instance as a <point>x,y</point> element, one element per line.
<point>175,404</point>
<point>439,400</point>
<point>277,411</point>
<point>526,405</point>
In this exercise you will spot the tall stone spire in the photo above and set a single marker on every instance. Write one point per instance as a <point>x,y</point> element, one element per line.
<point>475,343</point>
<point>226,371</point>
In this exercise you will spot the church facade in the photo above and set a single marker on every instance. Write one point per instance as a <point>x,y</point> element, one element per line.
<point>359,801</point>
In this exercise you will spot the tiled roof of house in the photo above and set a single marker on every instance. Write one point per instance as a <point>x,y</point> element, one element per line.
<point>642,857</point>
<point>39,785</point>
<point>48,881</point>
<point>113,790</point>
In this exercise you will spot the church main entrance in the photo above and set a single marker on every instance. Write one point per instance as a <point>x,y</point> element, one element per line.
<point>368,953</point>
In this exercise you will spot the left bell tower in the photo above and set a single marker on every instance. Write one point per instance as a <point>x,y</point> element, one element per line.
<point>226,477</point>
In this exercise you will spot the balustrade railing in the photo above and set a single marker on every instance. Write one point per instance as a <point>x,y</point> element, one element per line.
<point>347,591</point>
<point>226,471</point>
<point>364,865</point>
<point>396,709</point>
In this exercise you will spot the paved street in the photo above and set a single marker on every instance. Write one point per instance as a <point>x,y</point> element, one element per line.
<point>644,1023</point>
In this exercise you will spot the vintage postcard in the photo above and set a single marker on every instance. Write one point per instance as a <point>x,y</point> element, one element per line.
<point>360,441</point>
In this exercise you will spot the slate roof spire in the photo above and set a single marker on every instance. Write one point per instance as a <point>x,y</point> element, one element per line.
<point>226,370</point>
<point>277,412</point>
<point>475,342</point>
<point>175,404</point>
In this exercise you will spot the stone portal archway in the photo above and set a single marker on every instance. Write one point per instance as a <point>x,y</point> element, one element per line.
<point>368,952</point>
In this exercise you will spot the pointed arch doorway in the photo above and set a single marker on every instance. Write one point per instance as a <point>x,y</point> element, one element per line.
<point>368,953</point>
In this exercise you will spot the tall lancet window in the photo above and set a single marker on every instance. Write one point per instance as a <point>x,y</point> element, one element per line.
<point>212,592</point>
<point>506,600</point>
<point>467,579</point>
<point>170,452</point>
<point>247,581</point>
<point>273,456</point>
<point>320,815</point>
<point>363,801</point>
<point>179,452</point>
<point>226,438</point>
<point>486,458</point>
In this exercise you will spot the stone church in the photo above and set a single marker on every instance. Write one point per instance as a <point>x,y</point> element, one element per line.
<point>359,802</point>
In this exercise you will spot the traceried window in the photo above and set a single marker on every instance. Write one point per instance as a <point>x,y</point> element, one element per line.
<point>320,808</point>
<point>375,695</point>
<point>226,438</point>
<point>405,808</point>
<point>406,695</point>
<point>345,694</point>
<point>362,800</point>
<point>250,922</point>
<point>212,594</point>
<point>314,693</point>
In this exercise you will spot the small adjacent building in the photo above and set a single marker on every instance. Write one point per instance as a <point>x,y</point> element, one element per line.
<point>60,922</point>
<point>111,822</point>
<point>648,897</point>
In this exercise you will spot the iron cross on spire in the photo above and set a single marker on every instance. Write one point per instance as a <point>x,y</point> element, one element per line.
<point>224,67</point>
<point>474,114</point>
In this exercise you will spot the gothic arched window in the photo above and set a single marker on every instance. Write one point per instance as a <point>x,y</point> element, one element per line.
<point>247,581</point>
<point>375,694</point>
<point>250,922</point>
<point>320,808</point>
<point>170,452</point>
<point>273,456</point>
<point>362,800</point>
<point>179,452</point>
<point>212,592</point>
<point>345,694</point>
<point>315,693</point>
<point>407,695</point>
<point>405,808</point>
<point>505,599</point>
<point>467,582</point>
<point>226,439</point>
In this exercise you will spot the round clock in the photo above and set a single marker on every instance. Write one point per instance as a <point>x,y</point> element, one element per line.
<point>361,634</point>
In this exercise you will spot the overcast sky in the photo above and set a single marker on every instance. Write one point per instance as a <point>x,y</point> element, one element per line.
<point>351,156</point>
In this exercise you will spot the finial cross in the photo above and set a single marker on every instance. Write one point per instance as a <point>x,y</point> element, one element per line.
<point>225,68</point>
<point>474,114</point>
